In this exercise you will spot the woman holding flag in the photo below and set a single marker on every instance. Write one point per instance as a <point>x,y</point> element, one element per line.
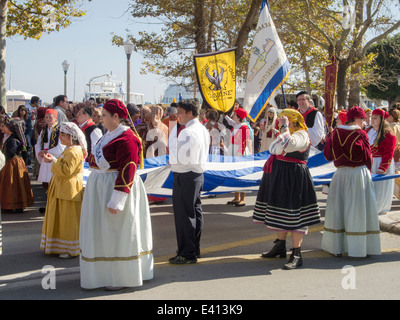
<point>286,201</point>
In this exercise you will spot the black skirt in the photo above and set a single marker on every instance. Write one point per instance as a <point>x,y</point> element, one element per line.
<point>286,199</point>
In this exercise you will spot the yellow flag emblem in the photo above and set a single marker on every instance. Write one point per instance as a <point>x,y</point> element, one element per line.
<point>216,78</point>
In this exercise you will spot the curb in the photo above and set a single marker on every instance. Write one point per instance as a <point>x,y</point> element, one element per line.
<point>387,224</point>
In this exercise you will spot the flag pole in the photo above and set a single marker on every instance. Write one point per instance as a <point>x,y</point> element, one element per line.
<point>284,96</point>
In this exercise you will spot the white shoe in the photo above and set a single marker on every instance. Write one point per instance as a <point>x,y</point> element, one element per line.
<point>65,256</point>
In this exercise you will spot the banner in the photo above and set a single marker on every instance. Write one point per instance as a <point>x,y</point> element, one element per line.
<point>330,92</point>
<point>215,73</point>
<point>268,66</point>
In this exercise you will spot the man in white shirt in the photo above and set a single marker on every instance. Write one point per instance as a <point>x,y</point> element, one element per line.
<point>188,153</point>
<point>312,117</point>
<point>89,128</point>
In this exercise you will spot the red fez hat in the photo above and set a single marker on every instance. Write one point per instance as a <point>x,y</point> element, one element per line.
<point>241,113</point>
<point>355,113</point>
<point>52,111</point>
<point>116,106</point>
<point>343,116</point>
<point>380,112</point>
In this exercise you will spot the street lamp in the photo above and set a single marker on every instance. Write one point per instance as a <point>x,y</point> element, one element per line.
<point>128,46</point>
<point>65,66</point>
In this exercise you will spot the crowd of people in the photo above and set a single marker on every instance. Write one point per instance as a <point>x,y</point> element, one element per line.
<point>107,223</point>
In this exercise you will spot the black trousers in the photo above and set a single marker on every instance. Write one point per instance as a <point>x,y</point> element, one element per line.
<point>188,212</point>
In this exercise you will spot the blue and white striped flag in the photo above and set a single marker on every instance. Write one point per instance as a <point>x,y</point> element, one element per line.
<point>268,66</point>
<point>225,174</point>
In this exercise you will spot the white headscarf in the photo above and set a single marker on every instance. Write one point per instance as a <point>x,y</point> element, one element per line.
<point>76,133</point>
<point>265,141</point>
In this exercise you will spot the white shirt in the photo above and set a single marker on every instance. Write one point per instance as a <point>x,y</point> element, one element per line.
<point>286,143</point>
<point>94,136</point>
<point>317,131</point>
<point>189,151</point>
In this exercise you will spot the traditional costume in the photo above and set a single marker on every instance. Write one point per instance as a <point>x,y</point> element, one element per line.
<point>37,129</point>
<point>286,200</point>
<point>382,149</point>
<point>116,249</point>
<point>92,133</point>
<point>351,216</point>
<point>16,192</point>
<point>269,134</point>
<point>315,124</point>
<point>240,136</point>
<point>48,140</point>
<point>60,232</point>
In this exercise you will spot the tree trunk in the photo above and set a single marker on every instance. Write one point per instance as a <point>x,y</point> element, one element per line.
<point>211,27</point>
<point>354,86</point>
<point>199,27</point>
<point>3,28</point>
<point>247,26</point>
<point>341,83</point>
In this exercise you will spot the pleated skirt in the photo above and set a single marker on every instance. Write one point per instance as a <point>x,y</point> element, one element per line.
<point>351,216</point>
<point>60,231</point>
<point>383,189</point>
<point>116,250</point>
<point>286,199</point>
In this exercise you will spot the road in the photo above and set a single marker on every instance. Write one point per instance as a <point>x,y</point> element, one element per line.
<point>230,267</point>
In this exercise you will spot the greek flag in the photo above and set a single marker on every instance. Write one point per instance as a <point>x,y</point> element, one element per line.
<point>268,66</point>
<point>226,174</point>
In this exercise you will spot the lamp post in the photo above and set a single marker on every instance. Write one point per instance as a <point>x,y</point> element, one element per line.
<point>65,66</point>
<point>128,46</point>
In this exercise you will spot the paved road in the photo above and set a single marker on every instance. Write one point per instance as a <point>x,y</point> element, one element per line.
<point>230,267</point>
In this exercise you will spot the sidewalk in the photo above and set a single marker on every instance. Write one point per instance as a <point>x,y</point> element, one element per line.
<point>390,222</point>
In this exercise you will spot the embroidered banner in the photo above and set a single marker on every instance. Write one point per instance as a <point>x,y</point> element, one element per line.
<point>215,73</point>
<point>330,92</point>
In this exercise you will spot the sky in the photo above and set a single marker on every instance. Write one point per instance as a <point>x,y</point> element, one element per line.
<point>34,66</point>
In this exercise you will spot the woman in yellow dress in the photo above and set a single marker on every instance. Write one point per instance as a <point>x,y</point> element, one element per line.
<point>60,233</point>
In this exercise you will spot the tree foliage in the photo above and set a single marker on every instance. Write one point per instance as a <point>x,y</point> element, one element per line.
<point>384,70</point>
<point>32,18</point>
<point>188,27</point>
<point>322,23</point>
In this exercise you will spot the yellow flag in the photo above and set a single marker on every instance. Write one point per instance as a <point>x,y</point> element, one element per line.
<point>216,78</point>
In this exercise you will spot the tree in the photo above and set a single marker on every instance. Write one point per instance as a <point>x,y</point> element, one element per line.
<point>322,23</point>
<point>189,27</point>
<point>30,19</point>
<point>385,69</point>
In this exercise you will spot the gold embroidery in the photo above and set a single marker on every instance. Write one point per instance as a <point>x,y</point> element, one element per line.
<point>351,233</point>
<point>342,144</point>
<point>126,185</point>
<point>96,259</point>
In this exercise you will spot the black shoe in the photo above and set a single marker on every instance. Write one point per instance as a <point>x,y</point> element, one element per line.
<point>279,249</point>
<point>42,210</point>
<point>295,260</point>
<point>181,260</point>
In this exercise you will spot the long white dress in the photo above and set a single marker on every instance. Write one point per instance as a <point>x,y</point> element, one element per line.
<point>116,249</point>
<point>383,189</point>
